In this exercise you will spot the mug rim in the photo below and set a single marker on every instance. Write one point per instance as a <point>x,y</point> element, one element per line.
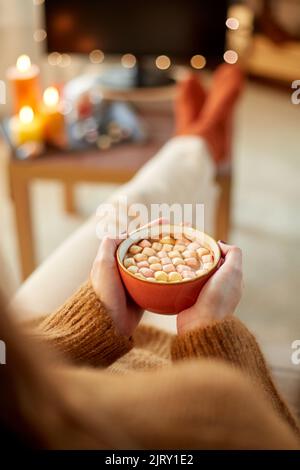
<point>141,229</point>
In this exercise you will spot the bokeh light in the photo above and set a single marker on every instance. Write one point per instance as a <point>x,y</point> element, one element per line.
<point>163,62</point>
<point>198,61</point>
<point>96,56</point>
<point>232,23</point>
<point>51,96</point>
<point>231,57</point>
<point>23,63</point>
<point>39,35</point>
<point>26,115</point>
<point>54,58</point>
<point>128,61</point>
<point>65,60</point>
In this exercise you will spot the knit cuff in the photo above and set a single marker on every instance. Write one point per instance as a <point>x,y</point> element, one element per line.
<point>83,331</point>
<point>228,339</point>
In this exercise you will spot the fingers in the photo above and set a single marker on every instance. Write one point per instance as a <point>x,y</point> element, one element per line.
<point>107,249</point>
<point>233,257</point>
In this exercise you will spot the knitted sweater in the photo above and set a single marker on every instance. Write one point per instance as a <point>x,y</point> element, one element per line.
<point>207,389</point>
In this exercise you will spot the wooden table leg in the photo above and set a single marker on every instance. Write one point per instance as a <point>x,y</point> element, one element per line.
<point>223,215</point>
<point>69,198</point>
<point>20,190</point>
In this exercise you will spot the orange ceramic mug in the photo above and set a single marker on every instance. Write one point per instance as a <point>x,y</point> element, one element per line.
<point>165,298</point>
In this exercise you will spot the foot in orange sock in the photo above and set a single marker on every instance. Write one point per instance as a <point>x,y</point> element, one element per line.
<point>215,120</point>
<point>210,115</point>
<point>189,101</point>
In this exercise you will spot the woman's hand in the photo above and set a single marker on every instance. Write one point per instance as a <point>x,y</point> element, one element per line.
<point>108,286</point>
<point>220,296</point>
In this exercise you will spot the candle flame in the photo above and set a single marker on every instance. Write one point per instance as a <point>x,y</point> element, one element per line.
<point>23,63</point>
<point>26,115</point>
<point>51,96</point>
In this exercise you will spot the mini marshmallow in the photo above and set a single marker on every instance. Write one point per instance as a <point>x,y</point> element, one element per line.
<point>156,267</point>
<point>132,269</point>
<point>200,272</point>
<point>143,264</point>
<point>161,254</point>
<point>193,246</point>
<point>207,259</point>
<point>189,254</point>
<point>157,246</point>
<point>134,249</point>
<point>161,276</point>
<point>140,257</point>
<point>207,266</point>
<point>146,272</point>
<point>192,262</point>
<point>202,251</point>
<point>167,240</point>
<point>139,276</point>
<point>183,267</point>
<point>153,259</point>
<point>188,275</point>
<point>168,268</point>
<point>174,254</point>
<point>177,261</point>
<point>174,276</point>
<point>148,251</point>
<point>167,247</point>
<point>128,262</point>
<point>185,241</point>
<point>145,243</point>
<point>180,247</point>
<point>166,260</point>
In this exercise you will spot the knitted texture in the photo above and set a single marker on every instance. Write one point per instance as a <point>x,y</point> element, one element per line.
<point>83,331</point>
<point>209,388</point>
<point>231,341</point>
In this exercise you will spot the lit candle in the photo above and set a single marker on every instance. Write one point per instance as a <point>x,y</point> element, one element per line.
<point>54,123</point>
<point>24,79</point>
<point>26,127</point>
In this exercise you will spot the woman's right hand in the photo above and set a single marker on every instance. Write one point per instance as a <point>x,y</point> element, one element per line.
<point>220,295</point>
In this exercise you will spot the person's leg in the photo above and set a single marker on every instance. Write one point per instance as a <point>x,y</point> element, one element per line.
<point>190,98</point>
<point>183,172</point>
<point>60,275</point>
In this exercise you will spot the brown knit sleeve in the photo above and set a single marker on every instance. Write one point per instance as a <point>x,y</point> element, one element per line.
<point>83,331</point>
<point>231,341</point>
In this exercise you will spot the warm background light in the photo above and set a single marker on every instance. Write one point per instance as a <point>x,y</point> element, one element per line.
<point>23,63</point>
<point>163,62</point>
<point>54,58</point>
<point>232,23</point>
<point>96,56</point>
<point>26,115</point>
<point>51,96</point>
<point>231,57</point>
<point>128,61</point>
<point>38,2</point>
<point>65,60</point>
<point>198,61</point>
<point>39,35</point>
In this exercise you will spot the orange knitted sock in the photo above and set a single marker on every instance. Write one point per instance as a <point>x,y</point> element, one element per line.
<point>215,121</point>
<point>213,118</point>
<point>189,101</point>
